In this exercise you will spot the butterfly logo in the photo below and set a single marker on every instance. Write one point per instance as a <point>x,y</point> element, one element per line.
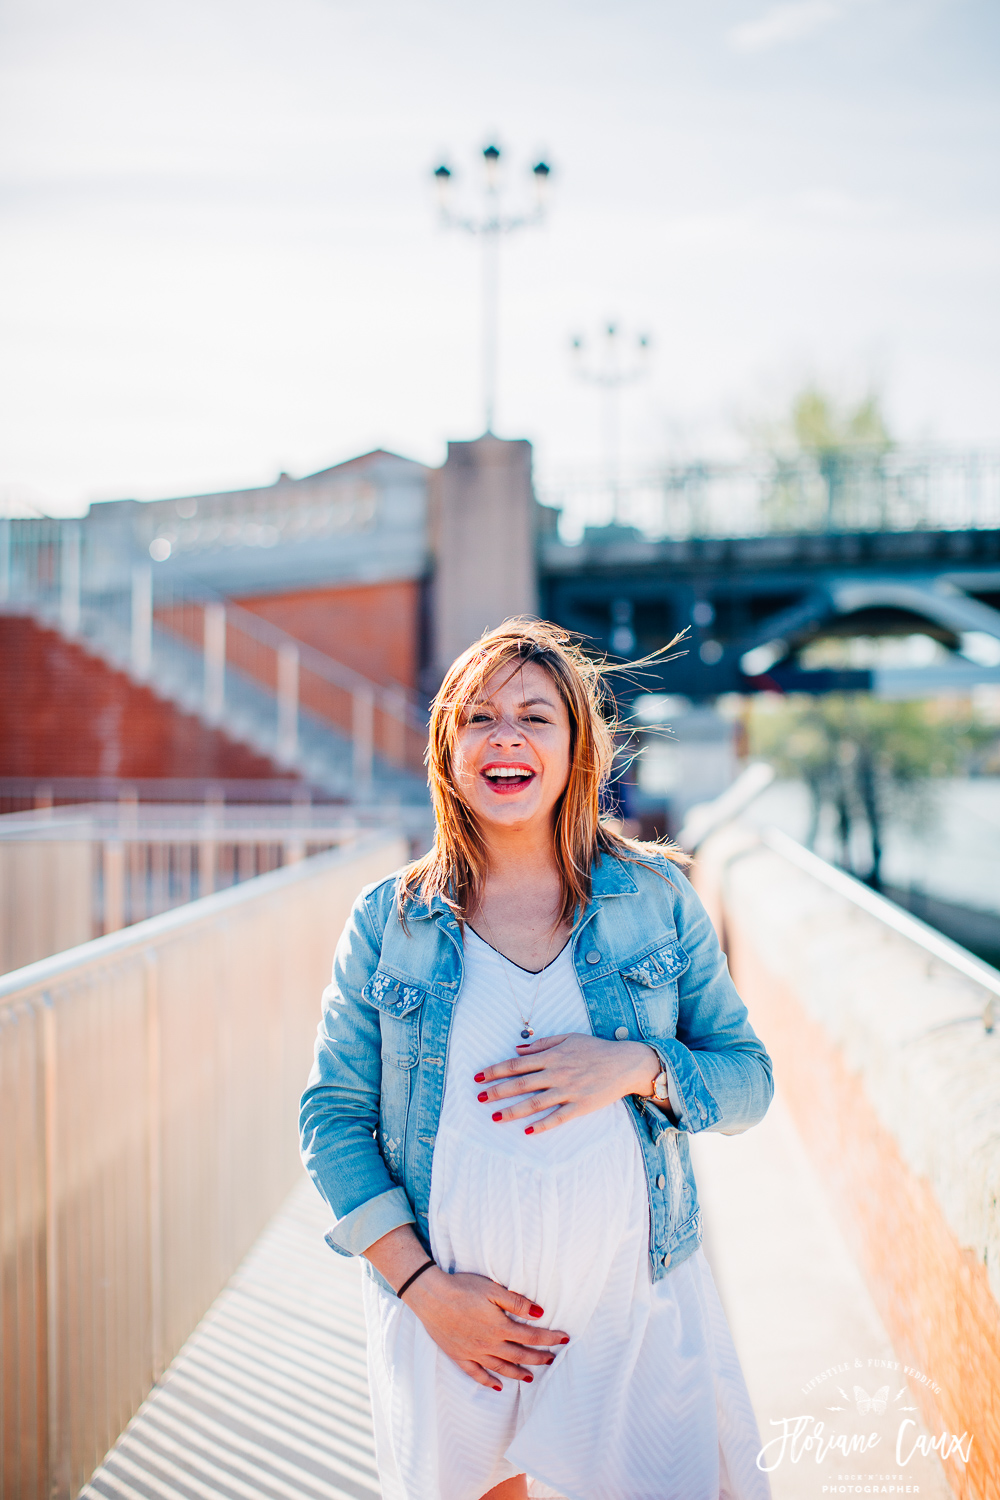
<point>876,1403</point>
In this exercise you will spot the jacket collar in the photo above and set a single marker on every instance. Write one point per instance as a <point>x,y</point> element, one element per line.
<point>608,877</point>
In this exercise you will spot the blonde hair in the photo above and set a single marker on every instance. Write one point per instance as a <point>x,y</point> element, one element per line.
<point>455,868</point>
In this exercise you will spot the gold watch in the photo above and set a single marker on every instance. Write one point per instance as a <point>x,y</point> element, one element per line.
<point>661,1091</point>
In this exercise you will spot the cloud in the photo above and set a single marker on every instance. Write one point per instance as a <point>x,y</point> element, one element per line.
<point>785,22</point>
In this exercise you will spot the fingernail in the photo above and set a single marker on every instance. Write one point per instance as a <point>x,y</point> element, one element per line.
<point>535,1310</point>
<point>564,1341</point>
<point>481,1078</point>
<point>482,1097</point>
<point>529,1130</point>
<point>498,1387</point>
<point>498,1116</point>
<point>528,1379</point>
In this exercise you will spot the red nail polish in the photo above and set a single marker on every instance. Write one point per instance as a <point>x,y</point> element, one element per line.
<point>498,1387</point>
<point>482,1098</point>
<point>481,1078</point>
<point>535,1310</point>
<point>564,1341</point>
<point>528,1379</point>
<point>529,1130</point>
<point>498,1116</point>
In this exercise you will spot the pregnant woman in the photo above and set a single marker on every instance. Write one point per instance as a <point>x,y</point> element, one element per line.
<point>522,1031</point>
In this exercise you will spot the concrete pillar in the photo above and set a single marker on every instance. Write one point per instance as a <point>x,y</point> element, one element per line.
<point>483,529</point>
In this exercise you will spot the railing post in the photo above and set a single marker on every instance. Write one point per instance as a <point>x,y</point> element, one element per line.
<point>215,662</point>
<point>394,707</point>
<point>207,861</point>
<point>69,576</point>
<point>288,702</point>
<point>363,734</point>
<point>154,1165</point>
<point>142,621</point>
<point>4,559</point>
<point>56,1319</point>
<point>114,887</point>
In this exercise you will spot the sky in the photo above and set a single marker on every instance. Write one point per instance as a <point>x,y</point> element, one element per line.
<point>220,256</point>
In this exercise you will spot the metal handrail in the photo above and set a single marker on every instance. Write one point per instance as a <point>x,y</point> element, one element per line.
<point>147,1134</point>
<point>153,929</point>
<point>391,700</point>
<point>899,489</point>
<point>886,911</point>
<point>150,620</point>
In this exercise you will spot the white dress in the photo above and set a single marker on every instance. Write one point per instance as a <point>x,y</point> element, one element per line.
<point>647,1401</point>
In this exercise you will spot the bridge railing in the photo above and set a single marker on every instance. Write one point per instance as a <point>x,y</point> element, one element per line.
<point>148,1091</point>
<point>70,874</point>
<point>900,490</point>
<point>208,653</point>
<point>885,1039</point>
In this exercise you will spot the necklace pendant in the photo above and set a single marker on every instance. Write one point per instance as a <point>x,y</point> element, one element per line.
<point>527,1032</point>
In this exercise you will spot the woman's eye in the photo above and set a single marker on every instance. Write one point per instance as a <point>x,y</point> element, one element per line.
<point>479,719</point>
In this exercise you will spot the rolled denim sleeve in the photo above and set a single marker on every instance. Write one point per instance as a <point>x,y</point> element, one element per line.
<point>339,1110</point>
<point>720,1072</point>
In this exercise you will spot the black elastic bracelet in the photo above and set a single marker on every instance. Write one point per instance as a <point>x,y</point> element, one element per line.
<point>418,1272</point>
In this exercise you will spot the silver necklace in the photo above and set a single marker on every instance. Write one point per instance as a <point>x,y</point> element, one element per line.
<point>527,1030</point>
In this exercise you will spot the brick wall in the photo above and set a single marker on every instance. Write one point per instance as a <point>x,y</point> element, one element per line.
<point>891,1078</point>
<point>64,712</point>
<point>374,628</point>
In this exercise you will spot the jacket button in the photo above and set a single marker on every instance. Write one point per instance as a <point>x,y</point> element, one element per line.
<point>666,1260</point>
<point>593,957</point>
<point>661,1181</point>
<point>621,1033</point>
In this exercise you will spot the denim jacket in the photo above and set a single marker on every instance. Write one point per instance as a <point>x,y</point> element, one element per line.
<point>650,970</point>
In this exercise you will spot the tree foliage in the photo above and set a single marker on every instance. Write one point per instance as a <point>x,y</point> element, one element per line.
<point>868,759</point>
<point>818,424</point>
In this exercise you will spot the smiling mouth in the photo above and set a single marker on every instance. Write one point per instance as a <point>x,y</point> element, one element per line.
<point>507,779</point>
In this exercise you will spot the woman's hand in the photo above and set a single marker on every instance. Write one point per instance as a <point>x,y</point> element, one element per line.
<point>574,1072</point>
<point>469,1318</point>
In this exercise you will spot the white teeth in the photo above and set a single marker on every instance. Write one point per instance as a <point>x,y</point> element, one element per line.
<point>507,772</point>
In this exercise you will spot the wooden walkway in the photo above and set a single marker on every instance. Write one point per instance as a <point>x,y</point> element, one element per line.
<point>268,1399</point>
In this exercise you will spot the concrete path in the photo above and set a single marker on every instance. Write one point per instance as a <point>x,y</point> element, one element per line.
<point>268,1400</point>
<point>797,1306</point>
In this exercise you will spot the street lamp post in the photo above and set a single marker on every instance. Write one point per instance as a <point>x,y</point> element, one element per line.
<point>610,373</point>
<point>490,225</point>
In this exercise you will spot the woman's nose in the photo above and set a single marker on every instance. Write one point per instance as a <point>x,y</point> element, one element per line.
<point>505,732</point>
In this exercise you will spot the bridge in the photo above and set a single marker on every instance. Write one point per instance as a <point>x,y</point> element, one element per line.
<point>150,1192</point>
<point>314,616</point>
<point>761,563</point>
<point>173,1327</point>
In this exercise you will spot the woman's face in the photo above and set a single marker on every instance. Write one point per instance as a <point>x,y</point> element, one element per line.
<point>511,762</point>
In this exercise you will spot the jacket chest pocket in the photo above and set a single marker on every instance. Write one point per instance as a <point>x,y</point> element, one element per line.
<point>651,982</point>
<point>398,1005</point>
